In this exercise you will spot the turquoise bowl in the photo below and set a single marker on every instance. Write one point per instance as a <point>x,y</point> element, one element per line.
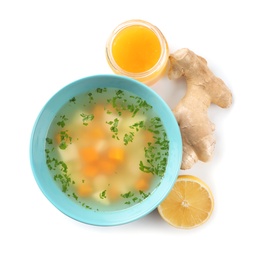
<point>59,199</point>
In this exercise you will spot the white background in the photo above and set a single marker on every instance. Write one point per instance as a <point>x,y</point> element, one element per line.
<point>45,45</point>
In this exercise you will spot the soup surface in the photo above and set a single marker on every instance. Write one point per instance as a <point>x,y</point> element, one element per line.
<point>107,149</point>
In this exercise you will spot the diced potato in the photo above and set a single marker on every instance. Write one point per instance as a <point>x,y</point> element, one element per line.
<point>69,153</point>
<point>123,184</point>
<point>101,145</point>
<point>74,166</point>
<point>100,182</point>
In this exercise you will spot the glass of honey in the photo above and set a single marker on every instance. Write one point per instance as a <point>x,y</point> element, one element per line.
<point>139,50</point>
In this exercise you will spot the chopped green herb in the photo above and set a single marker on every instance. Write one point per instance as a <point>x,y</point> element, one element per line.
<point>131,108</point>
<point>101,90</point>
<point>75,196</point>
<point>135,199</point>
<point>127,195</point>
<point>73,99</point>
<point>54,164</point>
<point>114,127</point>
<point>145,168</point>
<point>119,92</point>
<point>128,138</point>
<point>86,118</point>
<point>141,105</point>
<point>114,101</point>
<point>132,198</point>
<point>138,125</point>
<point>64,180</point>
<point>49,140</point>
<point>156,161</point>
<point>65,139</point>
<point>103,195</point>
<point>143,194</point>
<point>90,95</point>
<point>63,145</point>
<point>61,123</point>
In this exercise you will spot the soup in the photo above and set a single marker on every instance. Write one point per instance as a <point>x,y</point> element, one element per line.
<point>107,149</point>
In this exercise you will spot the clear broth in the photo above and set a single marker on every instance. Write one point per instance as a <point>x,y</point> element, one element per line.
<point>107,149</point>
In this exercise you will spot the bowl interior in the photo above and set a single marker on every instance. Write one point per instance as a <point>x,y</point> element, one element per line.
<point>54,193</point>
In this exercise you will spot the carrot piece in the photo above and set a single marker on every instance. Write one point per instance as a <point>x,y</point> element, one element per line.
<point>113,194</point>
<point>148,137</point>
<point>88,154</point>
<point>142,184</point>
<point>97,132</point>
<point>107,166</point>
<point>58,138</point>
<point>98,111</point>
<point>90,170</point>
<point>84,190</point>
<point>116,153</point>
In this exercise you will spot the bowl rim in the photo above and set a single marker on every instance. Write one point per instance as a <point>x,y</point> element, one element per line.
<point>61,200</point>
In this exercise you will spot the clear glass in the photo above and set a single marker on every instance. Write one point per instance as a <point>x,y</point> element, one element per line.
<point>148,77</point>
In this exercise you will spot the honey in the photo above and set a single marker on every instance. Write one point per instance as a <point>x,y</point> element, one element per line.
<point>138,49</point>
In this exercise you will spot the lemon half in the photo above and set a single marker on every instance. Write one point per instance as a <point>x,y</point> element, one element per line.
<point>189,204</point>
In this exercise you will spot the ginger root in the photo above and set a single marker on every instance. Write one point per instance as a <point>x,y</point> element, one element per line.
<point>203,88</point>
